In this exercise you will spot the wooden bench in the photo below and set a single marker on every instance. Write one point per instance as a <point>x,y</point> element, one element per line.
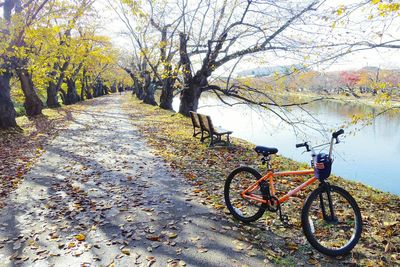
<point>214,133</point>
<point>196,124</point>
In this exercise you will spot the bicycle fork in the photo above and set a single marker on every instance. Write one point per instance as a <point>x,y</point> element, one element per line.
<point>331,218</point>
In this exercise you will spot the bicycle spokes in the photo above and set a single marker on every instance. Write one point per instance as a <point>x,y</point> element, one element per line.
<point>332,220</point>
<point>243,206</point>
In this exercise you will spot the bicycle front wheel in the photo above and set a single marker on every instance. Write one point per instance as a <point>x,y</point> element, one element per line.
<point>245,210</point>
<point>331,220</point>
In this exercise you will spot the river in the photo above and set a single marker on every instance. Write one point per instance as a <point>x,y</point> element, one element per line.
<point>369,154</point>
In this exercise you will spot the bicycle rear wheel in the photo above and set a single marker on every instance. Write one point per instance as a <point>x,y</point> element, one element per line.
<point>331,220</point>
<point>245,210</point>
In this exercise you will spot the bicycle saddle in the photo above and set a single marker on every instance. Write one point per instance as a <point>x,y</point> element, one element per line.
<point>266,151</point>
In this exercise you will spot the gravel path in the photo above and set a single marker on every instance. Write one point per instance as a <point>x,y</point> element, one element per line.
<point>100,196</point>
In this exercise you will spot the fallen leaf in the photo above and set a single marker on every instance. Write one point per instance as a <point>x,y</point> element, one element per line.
<point>172,235</point>
<point>80,237</point>
<point>150,258</point>
<point>71,244</point>
<point>153,238</point>
<point>202,250</point>
<point>195,238</point>
<point>292,246</point>
<point>126,251</point>
<point>312,261</point>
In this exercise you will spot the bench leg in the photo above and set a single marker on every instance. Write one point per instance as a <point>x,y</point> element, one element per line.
<point>218,140</point>
<point>204,136</point>
<point>196,134</point>
<point>211,141</point>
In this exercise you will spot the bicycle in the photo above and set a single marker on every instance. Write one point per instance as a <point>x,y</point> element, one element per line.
<point>330,217</point>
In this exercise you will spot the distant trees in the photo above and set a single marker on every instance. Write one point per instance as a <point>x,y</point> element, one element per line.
<point>349,81</point>
<point>382,84</point>
<point>153,35</point>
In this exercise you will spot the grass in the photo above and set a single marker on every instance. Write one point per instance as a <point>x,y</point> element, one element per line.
<point>170,134</point>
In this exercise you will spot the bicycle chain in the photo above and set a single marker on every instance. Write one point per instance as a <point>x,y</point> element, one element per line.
<point>273,204</point>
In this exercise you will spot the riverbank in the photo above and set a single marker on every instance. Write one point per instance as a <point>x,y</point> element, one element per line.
<point>170,135</point>
<point>378,102</point>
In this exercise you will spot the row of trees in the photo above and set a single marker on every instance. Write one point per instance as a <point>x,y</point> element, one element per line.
<point>51,48</point>
<point>184,47</point>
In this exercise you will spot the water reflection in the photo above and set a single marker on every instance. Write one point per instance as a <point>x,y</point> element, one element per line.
<point>369,155</point>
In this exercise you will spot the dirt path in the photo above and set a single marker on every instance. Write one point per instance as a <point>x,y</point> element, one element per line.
<point>100,196</point>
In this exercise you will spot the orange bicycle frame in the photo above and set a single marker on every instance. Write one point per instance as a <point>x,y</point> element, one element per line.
<point>248,193</point>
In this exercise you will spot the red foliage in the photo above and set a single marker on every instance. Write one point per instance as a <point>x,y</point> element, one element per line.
<point>349,78</point>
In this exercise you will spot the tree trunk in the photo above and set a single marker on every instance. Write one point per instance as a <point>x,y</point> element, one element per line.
<point>167,91</point>
<point>88,89</point>
<point>192,84</point>
<point>72,96</point>
<point>167,94</point>
<point>98,89</point>
<point>52,96</point>
<point>83,89</point>
<point>138,89</point>
<point>7,111</point>
<point>114,87</point>
<point>149,89</point>
<point>149,97</point>
<point>55,87</point>
<point>89,93</point>
<point>190,98</point>
<point>33,105</point>
<point>63,96</point>
<point>105,90</point>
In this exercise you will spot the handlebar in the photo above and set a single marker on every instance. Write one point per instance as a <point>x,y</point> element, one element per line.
<point>304,144</point>
<point>335,136</point>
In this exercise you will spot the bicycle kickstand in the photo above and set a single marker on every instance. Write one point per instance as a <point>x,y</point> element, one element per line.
<point>284,218</point>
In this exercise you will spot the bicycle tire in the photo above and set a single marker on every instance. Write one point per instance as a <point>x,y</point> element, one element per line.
<point>309,230</point>
<point>260,209</point>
